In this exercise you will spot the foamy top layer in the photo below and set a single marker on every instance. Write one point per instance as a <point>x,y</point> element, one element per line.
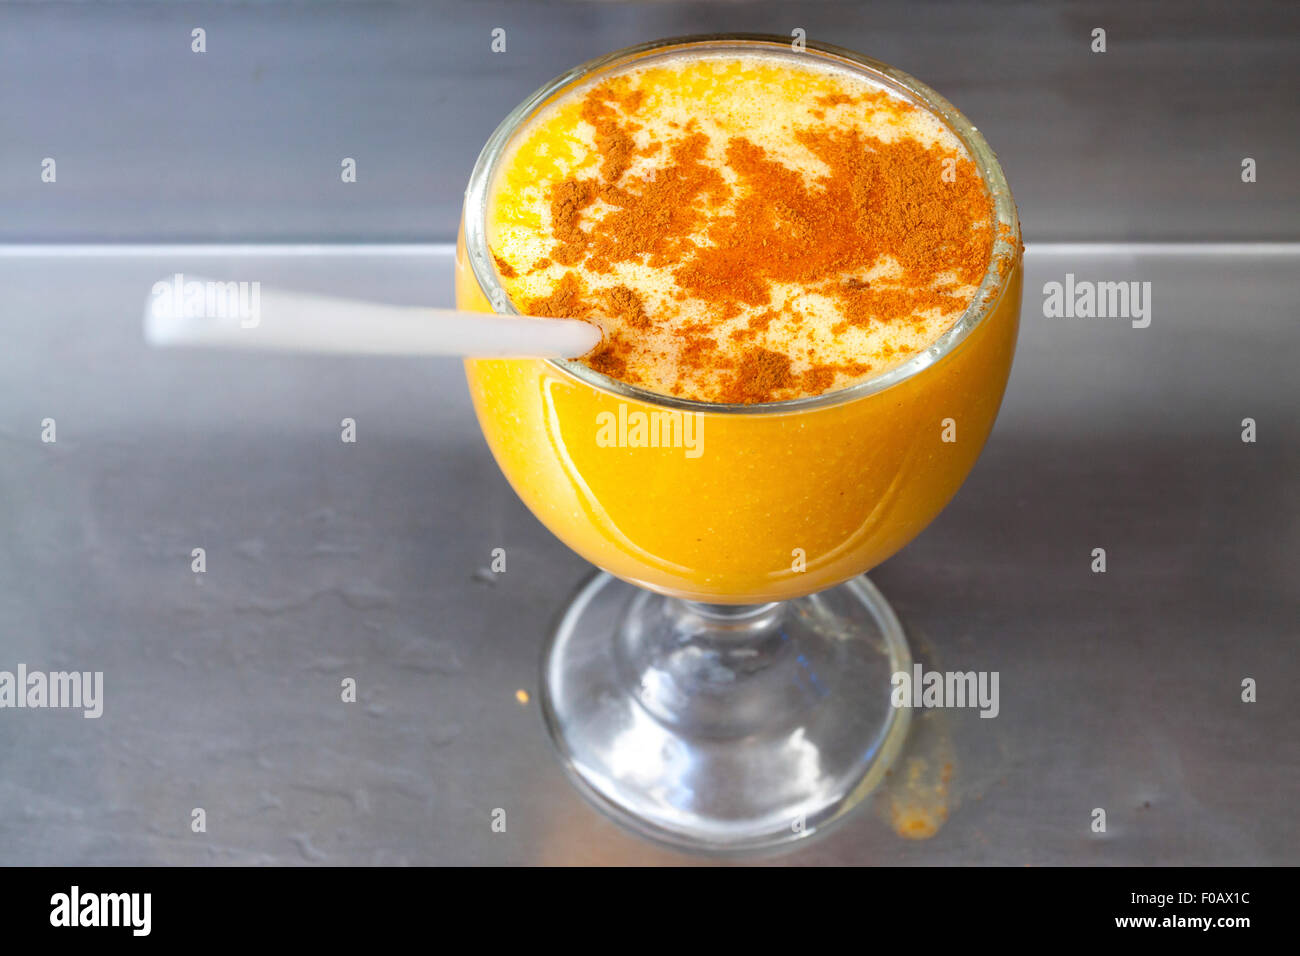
<point>744,228</point>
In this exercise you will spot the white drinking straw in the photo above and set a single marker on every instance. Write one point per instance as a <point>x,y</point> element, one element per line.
<point>252,316</point>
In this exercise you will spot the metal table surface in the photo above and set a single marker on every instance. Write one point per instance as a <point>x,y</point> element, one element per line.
<point>327,560</point>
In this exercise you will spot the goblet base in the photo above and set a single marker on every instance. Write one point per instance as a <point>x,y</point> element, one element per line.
<point>725,728</point>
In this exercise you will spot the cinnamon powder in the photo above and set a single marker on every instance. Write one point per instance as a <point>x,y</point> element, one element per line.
<point>725,245</point>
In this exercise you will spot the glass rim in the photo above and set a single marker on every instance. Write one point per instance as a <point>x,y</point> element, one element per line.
<point>1006,223</point>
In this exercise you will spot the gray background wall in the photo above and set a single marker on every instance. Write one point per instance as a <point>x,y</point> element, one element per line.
<point>155,143</point>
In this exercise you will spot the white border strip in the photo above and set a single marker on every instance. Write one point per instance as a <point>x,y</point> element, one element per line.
<point>382,250</point>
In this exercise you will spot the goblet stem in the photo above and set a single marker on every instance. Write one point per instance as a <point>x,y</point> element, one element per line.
<point>725,727</point>
<point>715,670</point>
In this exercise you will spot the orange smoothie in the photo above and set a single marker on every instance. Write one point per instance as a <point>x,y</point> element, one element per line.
<point>809,286</point>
